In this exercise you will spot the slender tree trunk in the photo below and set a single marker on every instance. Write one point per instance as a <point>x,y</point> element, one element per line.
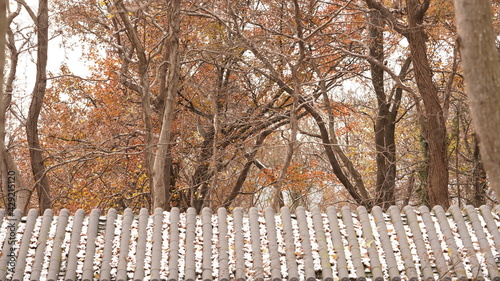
<point>246,169</point>
<point>205,177</point>
<point>170,179</point>
<point>220,94</point>
<point>143,88</point>
<point>3,149</point>
<point>331,144</point>
<point>385,141</point>
<point>353,190</point>
<point>481,64</point>
<point>385,123</point>
<point>435,121</point>
<point>479,178</point>
<point>9,171</point>
<point>278,198</point>
<point>202,175</point>
<point>385,184</point>
<point>390,131</point>
<point>159,192</point>
<point>36,157</point>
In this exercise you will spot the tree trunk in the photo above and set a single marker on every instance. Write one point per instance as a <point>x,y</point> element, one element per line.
<point>202,175</point>
<point>129,54</point>
<point>354,191</point>
<point>384,128</point>
<point>385,123</point>
<point>331,145</point>
<point>388,185</point>
<point>434,127</point>
<point>36,157</point>
<point>482,76</point>
<point>478,197</point>
<point>159,192</point>
<point>278,199</point>
<point>11,176</point>
<point>435,121</point>
<point>245,171</point>
<point>3,149</point>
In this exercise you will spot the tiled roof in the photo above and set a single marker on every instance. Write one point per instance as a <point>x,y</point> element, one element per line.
<point>407,244</point>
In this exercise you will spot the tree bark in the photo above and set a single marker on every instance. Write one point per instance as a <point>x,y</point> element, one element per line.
<point>3,149</point>
<point>202,174</point>
<point>478,196</point>
<point>159,192</point>
<point>435,121</point>
<point>384,132</point>
<point>9,170</point>
<point>435,127</point>
<point>35,148</point>
<point>481,66</point>
<point>246,169</point>
<point>385,122</point>
<point>278,198</point>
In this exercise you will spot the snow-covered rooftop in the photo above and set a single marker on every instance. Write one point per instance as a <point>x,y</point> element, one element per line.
<point>408,244</point>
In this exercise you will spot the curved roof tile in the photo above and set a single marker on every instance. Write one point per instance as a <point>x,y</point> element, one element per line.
<point>409,244</point>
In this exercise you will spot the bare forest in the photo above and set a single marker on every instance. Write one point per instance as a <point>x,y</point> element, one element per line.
<point>237,103</point>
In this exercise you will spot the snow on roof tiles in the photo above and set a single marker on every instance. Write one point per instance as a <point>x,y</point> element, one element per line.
<point>408,244</point>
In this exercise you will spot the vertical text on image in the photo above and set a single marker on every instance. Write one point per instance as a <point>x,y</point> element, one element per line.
<point>11,192</point>
<point>12,222</point>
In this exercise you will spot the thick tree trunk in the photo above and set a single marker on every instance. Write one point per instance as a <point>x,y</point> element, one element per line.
<point>481,64</point>
<point>435,121</point>
<point>36,157</point>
